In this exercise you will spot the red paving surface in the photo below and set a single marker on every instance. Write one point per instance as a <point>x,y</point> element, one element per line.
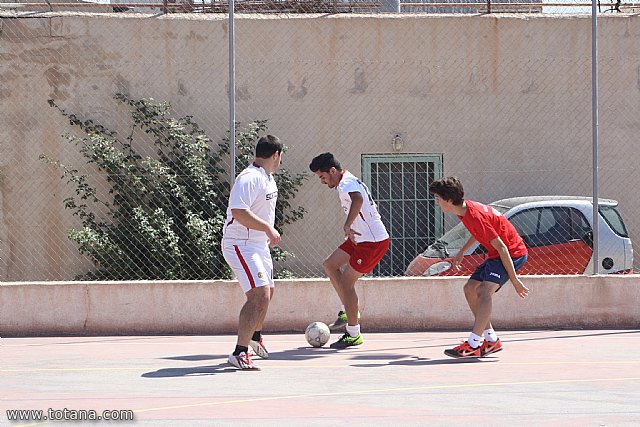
<point>542,378</point>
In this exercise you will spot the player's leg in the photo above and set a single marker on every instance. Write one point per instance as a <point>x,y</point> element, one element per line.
<point>471,294</point>
<point>486,280</point>
<point>471,289</point>
<point>484,306</point>
<point>491,343</point>
<point>482,326</point>
<point>347,281</point>
<point>333,267</point>
<point>263,314</point>
<point>257,302</point>
<point>257,343</point>
<point>248,266</point>
<point>481,305</point>
<point>472,347</point>
<point>363,258</point>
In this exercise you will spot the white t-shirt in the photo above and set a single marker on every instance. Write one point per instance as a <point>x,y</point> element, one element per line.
<point>256,191</point>
<point>368,222</point>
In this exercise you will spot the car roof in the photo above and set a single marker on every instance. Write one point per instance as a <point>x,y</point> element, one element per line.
<point>517,201</point>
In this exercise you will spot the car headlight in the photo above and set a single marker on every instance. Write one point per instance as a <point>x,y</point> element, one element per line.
<point>437,268</point>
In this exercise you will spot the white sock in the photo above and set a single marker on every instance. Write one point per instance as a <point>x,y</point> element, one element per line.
<point>342,308</point>
<point>490,335</point>
<point>474,340</point>
<point>354,331</point>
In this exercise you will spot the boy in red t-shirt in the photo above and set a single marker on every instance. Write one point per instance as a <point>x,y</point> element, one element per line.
<point>506,254</point>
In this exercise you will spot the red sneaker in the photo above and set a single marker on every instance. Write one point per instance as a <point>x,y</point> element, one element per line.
<point>489,347</point>
<point>463,350</point>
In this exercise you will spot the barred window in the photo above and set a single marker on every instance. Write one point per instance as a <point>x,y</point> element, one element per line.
<point>399,186</point>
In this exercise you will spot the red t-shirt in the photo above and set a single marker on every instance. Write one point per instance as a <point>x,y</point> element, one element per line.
<point>486,223</point>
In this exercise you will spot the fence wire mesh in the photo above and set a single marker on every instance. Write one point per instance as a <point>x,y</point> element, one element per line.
<point>114,139</point>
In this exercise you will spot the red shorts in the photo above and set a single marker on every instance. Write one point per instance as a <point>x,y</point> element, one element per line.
<point>364,256</point>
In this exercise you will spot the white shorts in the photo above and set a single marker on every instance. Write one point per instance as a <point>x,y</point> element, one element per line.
<point>252,265</point>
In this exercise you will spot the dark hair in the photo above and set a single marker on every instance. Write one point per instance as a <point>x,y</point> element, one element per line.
<point>323,162</point>
<point>267,146</point>
<point>449,188</point>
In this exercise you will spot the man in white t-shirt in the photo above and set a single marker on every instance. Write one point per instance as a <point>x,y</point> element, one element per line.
<point>366,241</point>
<point>248,233</point>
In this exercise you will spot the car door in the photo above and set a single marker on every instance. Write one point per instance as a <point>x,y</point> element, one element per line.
<point>557,239</point>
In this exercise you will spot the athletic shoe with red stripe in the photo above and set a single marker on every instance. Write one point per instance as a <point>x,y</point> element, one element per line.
<point>463,350</point>
<point>259,348</point>
<point>243,361</point>
<point>489,347</point>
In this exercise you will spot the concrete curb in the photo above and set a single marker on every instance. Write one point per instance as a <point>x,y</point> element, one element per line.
<point>389,304</point>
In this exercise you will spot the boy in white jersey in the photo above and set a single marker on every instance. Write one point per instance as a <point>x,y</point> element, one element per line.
<point>366,240</point>
<point>248,233</point>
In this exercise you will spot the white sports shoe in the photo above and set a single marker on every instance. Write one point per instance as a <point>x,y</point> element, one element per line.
<point>259,348</point>
<point>243,361</point>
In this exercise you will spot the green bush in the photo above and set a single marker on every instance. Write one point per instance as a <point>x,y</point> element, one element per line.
<point>164,215</point>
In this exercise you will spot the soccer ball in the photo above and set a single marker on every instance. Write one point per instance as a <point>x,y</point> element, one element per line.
<point>317,334</point>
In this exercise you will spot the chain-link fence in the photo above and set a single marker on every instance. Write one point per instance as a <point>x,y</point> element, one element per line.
<point>114,139</point>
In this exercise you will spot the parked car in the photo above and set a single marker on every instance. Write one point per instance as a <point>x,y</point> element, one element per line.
<point>556,229</point>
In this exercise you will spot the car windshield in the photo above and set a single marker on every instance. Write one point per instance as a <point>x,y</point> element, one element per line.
<point>451,242</point>
<point>613,218</point>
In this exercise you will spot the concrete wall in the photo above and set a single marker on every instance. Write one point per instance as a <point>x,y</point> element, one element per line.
<point>505,98</point>
<point>31,309</point>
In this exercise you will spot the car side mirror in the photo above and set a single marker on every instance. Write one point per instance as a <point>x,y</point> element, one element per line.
<point>588,238</point>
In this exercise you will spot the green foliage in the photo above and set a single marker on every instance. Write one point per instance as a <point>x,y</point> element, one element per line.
<point>163,216</point>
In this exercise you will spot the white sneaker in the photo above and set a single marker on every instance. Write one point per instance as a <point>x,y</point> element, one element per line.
<point>259,348</point>
<point>243,361</point>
